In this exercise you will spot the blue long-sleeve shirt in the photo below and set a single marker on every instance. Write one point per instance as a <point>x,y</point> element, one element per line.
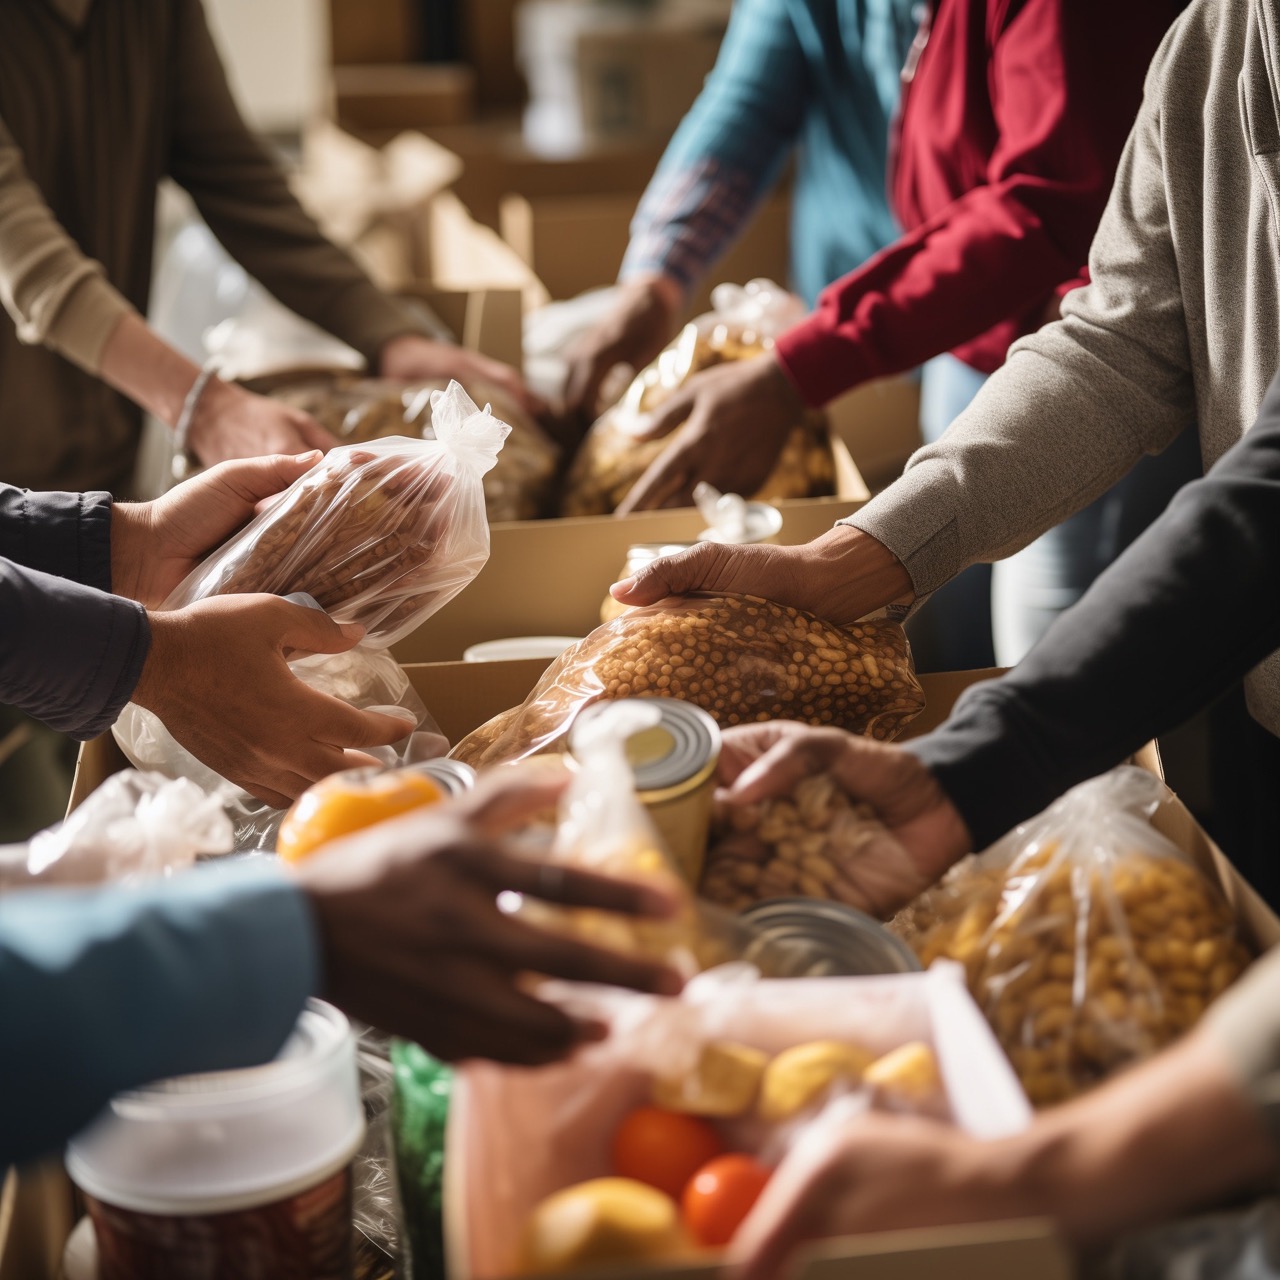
<point>101,990</point>
<point>817,78</point>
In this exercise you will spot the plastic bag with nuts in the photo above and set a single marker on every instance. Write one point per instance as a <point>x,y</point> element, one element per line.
<point>382,534</point>
<point>804,843</point>
<point>743,323</point>
<point>358,410</point>
<point>1088,939</point>
<point>739,658</point>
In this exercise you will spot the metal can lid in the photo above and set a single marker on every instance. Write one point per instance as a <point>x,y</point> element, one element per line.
<point>640,554</point>
<point>680,746</point>
<point>827,939</point>
<point>454,776</point>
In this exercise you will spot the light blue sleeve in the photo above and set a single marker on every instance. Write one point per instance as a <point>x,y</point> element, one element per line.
<point>107,989</point>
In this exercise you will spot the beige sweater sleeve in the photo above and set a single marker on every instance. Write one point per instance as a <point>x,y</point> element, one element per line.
<point>242,193</point>
<point>56,296</point>
<point>1075,406</point>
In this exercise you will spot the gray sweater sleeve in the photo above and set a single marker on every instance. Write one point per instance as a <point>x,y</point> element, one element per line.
<point>1075,406</point>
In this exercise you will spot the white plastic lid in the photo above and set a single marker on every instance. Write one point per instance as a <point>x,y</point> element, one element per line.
<point>233,1139</point>
<point>519,647</point>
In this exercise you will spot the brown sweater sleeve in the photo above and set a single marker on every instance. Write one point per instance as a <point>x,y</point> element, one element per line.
<point>56,296</point>
<point>242,193</point>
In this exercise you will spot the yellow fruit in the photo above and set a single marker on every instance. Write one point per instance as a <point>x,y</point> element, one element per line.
<point>602,1221</point>
<point>346,802</point>
<point>910,1073</point>
<point>799,1076</point>
<point>724,1082</point>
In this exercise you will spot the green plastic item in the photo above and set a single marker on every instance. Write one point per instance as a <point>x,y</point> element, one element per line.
<point>420,1110</point>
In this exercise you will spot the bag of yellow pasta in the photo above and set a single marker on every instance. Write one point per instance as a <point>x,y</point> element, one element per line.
<point>743,322</point>
<point>1089,940</point>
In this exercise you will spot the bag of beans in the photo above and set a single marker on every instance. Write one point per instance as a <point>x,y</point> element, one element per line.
<point>743,322</point>
<point>382,534</point>
<point>1089,940</point>
<point>358,410</point>
<point>739,658</point>
<point>804,844</point>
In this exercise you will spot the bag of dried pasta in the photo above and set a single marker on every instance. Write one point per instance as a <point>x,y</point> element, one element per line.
<point>358,410</point>
<point>743,322</point>
<point>383,534</point>
<point>739,658</point>
<point>1089,940</point>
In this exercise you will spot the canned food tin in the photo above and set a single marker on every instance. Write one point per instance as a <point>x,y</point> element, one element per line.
<point>674,765</point>
<point>453,776</point>
<point>810,937</point>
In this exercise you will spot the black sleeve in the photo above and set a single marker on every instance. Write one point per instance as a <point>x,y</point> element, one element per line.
<point>69,655</point>
<point>1182,615</point>
<point>65,534</point>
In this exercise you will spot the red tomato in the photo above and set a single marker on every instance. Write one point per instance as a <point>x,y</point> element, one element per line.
<point>663,1149</point>
<point>719,1197</point>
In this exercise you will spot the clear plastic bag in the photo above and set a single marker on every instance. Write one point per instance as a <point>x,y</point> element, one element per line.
<point>739,658</point>
<point>1088,940</point>
<point>802,844</point>
<point>133,825</point>
<point>358,410</point>
<point>382,534</point>
<point>743,323</point>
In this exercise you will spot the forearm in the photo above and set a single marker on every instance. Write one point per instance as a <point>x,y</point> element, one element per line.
<point>139,364</point>
<point>109,989</point>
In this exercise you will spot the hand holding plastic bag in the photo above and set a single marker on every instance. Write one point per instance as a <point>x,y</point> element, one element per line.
<point>134,825</point>
<point>382,534</point>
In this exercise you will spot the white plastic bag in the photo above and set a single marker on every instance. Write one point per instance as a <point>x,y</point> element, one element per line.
<point>134,825</point>
<point>383,534</point>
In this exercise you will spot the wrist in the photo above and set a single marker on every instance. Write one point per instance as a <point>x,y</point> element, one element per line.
<point>666,291</point>
<point>131,537</point>
<point>162,670</point>
<point>846,555</point>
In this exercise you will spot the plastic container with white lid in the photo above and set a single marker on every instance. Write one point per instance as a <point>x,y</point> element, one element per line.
<point>220,1150</point>
<point>519,647</point>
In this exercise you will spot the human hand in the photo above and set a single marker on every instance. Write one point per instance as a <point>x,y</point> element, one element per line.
<point>736,418</point>
<point>841,576</point>
<point>154,545</point>
<point>230,422</point>
<point>411,357</point>
<point>641,323</point>
<point>217,676</point>
<point>923,833</point>
<point>415,944</point>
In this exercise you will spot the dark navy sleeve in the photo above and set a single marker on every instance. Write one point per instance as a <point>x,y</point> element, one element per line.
<point>65,534</point>
<point>70,655</point>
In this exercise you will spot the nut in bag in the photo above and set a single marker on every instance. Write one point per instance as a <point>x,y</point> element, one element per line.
<point>742,324</point>
<point>806,843</point>
<point>739,658</point>
<point>358,410</point>
<point>1088,940</point>
<point>135,824</point>
<point>382,534</point>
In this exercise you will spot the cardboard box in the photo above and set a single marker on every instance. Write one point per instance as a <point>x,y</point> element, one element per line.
<point>373,31</point>
<point>880,424</point>
<point>576,243</point>
<point>373,98</point>
<point>489,33</point>
<point>549,577</point>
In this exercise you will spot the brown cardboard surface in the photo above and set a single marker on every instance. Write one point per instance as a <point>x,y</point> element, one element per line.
<point>880,424</point>
<point>575,242</point>
<point>491,49</point>
<point>370,98</point>
<point>549,577</point>
<point>373,31</point>
<point>37,1212</point>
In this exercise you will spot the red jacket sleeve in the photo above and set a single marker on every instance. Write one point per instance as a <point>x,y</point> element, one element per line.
<point>1066,83</point>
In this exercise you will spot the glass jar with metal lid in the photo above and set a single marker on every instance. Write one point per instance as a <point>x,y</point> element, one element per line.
<point>674,765</point>
<point>452,776</point>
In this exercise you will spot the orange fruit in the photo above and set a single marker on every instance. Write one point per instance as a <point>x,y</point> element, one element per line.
<point>350,801</point>
<point>720,1195</point>
<point>663,1149</point>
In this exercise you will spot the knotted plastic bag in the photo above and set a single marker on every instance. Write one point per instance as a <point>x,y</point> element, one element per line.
<point>1089,940</point>
<point>743,323</point>
<point>133,825</point>
<point>739,658</point>
<point>383,534</point>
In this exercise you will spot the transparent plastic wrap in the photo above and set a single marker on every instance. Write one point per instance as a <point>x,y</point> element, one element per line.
<point>1088,940</point>
<point>764,1063</point>
<point>358,410</point>
<point>373,1183</point>
<point>382,534</point>
<point>134,825</point>
<point>367,677</point>
<point>743,323</point>
<point>739,658</point>
<point>805,843</point>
